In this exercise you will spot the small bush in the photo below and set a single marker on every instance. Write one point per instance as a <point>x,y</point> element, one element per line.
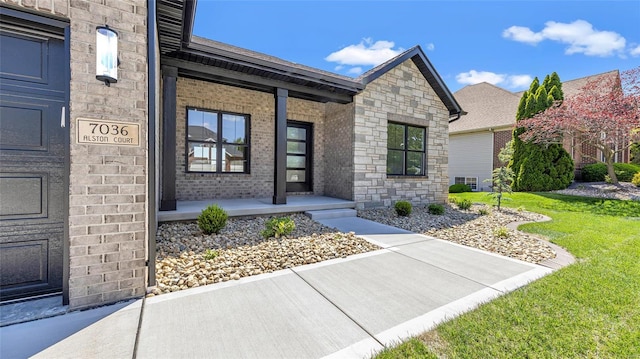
<point>459,188</point>
<point>502,232</point>
<point>435,208</point>
<point>278,227</point>
<point>212,219</point>
<point>403,208</point>
<point>597,172</point>
<point>483,211</point>
<point>636,179</point>
<point>210,254</point>
<point>464,204</point>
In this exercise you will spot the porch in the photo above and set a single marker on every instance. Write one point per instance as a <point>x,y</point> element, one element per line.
<point>189,210</point>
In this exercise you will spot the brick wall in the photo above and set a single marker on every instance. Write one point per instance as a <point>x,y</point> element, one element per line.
<point>260,106</point>
<point>400,95</point>
<point>339,151</point>
<point>108,209</point>
<point>54,7</point>
<point>500,139</point>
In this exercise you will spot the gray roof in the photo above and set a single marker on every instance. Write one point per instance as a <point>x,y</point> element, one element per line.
<point>489,106</point>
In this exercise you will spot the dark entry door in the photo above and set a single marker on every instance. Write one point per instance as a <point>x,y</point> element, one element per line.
<point>32,162</point>
<point>299,156</point>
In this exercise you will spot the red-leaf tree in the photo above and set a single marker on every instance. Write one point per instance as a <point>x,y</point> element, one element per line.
<point>605,114</point>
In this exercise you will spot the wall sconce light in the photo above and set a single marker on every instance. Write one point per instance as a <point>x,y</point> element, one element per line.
<point>106,55</point>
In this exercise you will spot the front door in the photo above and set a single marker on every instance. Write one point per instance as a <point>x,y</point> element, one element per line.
<point>299,156</point>
<point>32,162</point>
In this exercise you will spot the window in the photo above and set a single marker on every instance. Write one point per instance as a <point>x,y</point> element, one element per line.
<point>405,150</point>
<point>217,142</point>
<point>469,181</point>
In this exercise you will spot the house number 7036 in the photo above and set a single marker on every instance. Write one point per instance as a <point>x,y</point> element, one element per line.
<point>105,129</point>
<point>101,132</point>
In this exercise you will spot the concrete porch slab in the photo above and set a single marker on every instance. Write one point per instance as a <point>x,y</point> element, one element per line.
<point>190,210</point>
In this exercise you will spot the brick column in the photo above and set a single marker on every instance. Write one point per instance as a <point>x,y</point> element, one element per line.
<point>108,192</point>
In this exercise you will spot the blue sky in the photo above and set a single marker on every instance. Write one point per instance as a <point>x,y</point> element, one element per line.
<point>506,43</point>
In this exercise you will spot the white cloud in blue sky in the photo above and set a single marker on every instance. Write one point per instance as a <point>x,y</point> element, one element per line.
<point>635,51</point>
<point>431,46</point>
<point>366,53</point>
<point>473,77</point>
<point>580,36</point>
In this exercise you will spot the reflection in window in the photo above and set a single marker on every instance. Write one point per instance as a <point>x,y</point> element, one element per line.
<point>405,150</point>
<point>206,130</point>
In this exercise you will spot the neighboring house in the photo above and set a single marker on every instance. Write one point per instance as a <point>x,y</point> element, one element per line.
<point>84,167</point>
<point>477,137</point>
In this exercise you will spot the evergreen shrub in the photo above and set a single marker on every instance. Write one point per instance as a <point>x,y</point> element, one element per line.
<point>212,219</point>
<point>596,172</point>
<point>459,188</point>
<point>403,208</point>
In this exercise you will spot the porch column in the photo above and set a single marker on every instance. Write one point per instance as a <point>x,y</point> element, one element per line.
<point>168,180</point>
<point>280,172</point>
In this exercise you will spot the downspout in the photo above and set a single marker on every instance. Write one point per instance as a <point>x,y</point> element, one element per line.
<point>152,196</point>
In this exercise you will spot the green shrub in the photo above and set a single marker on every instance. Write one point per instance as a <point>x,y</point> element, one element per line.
<point>459,188</point>
<point>636,179</point>
<point>597,172</point>
<point>403,208</point>
<point>278,227</point>
<point>464,204</point>
<point>212,219</point>
<point>210,254</point>
<point>483,211</point>
<point>435,208</point>
<point>501,232</point>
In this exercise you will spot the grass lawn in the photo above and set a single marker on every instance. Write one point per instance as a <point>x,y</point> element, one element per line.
<point>588,310</point>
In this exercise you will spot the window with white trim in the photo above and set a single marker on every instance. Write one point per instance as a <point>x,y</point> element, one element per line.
<point>469,181</point>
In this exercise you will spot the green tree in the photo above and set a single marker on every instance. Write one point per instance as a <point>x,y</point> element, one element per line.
<point>635,153</point>
<point>502,177</point>
<point>539,167</point>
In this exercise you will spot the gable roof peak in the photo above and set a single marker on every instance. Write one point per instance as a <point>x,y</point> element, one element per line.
<point>426,68</point>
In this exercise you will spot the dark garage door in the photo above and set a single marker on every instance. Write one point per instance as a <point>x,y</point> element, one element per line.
<point>32,162</point>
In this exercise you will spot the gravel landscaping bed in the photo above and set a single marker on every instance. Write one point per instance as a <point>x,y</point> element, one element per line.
<point>241,251</point>
<point>187,258</point>
<point>623,191</point>
<point>487,232</point>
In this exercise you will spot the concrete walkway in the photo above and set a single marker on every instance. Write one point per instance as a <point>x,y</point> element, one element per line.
<point>342,308</point>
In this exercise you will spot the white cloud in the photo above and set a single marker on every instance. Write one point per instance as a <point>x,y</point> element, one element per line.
<point>475,77</point>
<point>366,53</point>
<point>355,70</point>
<point>522,34</point>
<point>635,51</point>
<point>519,81</point>
<point>431,46</point>
<point>509,81</point>
<point>580,36</point>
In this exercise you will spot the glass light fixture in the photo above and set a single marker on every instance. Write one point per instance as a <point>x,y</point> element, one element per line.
<point>106,55</point>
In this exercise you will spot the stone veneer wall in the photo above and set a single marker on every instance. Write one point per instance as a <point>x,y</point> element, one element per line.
<point>339,162</point>
<point>260,106</point>
<point>400,95</point>
<point>108,191</point>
